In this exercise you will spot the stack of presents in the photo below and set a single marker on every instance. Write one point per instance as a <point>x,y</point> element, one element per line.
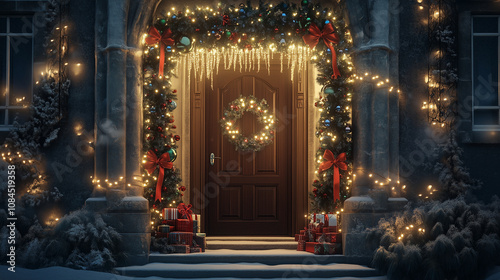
<point>320,236</point>
<point>181,228</point>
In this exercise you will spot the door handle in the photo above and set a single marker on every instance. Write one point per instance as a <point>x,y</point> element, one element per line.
<point>212,158</point>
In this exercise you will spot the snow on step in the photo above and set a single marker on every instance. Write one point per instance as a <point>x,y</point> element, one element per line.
<point>250,244</point>
<point>270,257</point>
<point>246,270</point>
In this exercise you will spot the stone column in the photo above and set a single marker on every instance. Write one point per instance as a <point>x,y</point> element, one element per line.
<point>118,126</point>
<point>374,26</point>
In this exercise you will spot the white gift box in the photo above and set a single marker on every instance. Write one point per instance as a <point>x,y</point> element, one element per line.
<point>320,218</point>
<point>197,217</point>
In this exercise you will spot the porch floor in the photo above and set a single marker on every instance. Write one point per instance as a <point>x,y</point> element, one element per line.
<point>251,242</point>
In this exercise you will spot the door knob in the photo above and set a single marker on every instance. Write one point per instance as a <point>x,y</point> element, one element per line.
<point>212,158</point>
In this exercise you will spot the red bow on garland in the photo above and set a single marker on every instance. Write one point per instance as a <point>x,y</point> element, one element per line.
<point>163,162</point>
<point>329,37</point>
<point>164,40</point>
<point>336,163</point>
<point>185,211</point>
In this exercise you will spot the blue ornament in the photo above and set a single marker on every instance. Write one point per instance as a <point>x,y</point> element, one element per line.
<point>327,21</point>
<point>329,90</point>
<point>283,15</point>
<point>327,123</point>
<point>174,16</point>
<point>169,48</point>
<point>213,32</point>
<point>338,108</point>
<point>173,105</point>
<point>347,129</point>
<point>242,10</point>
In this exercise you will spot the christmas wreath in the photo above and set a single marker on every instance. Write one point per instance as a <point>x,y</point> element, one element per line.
<point>235,111</point>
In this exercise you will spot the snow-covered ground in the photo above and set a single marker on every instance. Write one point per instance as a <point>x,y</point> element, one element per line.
<point>63,273</point>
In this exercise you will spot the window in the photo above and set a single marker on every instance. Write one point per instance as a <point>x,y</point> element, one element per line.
<point>16,67</point>
<point>485,71</point>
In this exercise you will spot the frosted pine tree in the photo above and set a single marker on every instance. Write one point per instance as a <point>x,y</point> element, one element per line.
<point>454,177</point>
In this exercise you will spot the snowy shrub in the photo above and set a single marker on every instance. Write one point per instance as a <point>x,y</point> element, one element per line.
<point>439,240</point>
<point>80,240</point>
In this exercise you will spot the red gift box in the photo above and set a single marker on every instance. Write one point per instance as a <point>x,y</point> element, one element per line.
<point>297,237</point>
<point>171,223</point>
<point>184,249</point>
<point>184,225</point>
<point>315,247</point>
<point>303,231</point>
<point>303,238</point>
<point>329,248</point>
<point>301,246</point>
<point>170,213</point>
<point>184,238</point>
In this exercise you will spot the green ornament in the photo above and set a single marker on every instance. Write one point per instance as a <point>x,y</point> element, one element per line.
<point>308,19</point>
<point>329,90</point>
<point>172,154</point>
<point>228,33</point>
<point>305,2</point>
<point>184,44</point>
<point>163,21</point>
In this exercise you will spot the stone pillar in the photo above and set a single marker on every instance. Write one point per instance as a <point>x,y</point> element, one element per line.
<point>374,26</point>
<point>118,124</point>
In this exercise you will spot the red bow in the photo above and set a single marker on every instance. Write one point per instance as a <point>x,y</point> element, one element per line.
<point>185,211</point>
<point>337,163</point>
<point>329,37</point>
<point>163,162</point>
<point>164,40</point>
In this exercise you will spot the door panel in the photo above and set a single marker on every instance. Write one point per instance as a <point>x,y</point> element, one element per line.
<point>253,188</point>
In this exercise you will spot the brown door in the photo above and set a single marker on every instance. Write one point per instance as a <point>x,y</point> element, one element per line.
<point>249,193</point>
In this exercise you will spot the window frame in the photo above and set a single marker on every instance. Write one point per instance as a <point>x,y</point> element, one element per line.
<point>474,108</point>
<point>8,35</point>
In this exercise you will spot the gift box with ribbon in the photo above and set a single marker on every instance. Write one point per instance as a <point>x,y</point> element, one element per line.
<point>184,238</point>
<point>196,250</point>
<point>326,219</point>
<point>315,247</point>
<point>184,225</point>
<point>170,213</point>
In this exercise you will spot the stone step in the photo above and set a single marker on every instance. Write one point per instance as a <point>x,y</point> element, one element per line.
<point>246,270</point>
<point>269,257</point>
<point>251,245</point>
<point>250,238</point>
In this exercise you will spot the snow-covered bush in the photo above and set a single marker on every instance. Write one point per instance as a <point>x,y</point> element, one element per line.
<point>439,240</point>
<point>80,240</point>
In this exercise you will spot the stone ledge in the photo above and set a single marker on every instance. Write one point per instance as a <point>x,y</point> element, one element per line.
<point>129,222</point>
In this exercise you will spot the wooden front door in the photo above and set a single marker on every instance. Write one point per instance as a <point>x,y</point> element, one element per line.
<point>249,192</point>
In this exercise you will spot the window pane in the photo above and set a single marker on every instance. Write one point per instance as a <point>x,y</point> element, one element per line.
<point>21,24</point>
<point>3,24</point>
<point>486,117</point>
<point>2,117</point>
<point>3,70</point>
<point>19,115</point>
<point>485,25</point>
<point>485,71</point>
<point>20,69</point>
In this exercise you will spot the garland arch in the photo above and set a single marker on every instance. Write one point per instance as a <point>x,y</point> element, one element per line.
<point>237,37</point>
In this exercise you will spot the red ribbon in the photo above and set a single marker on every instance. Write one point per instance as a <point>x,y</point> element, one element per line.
<point>337,163</point>
<point>164,40</point>
<point>185,211</point>
<point>163,162</point>
<point>329,37</point>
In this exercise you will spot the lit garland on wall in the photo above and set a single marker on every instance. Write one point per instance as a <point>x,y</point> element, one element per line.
<point>243,38</point>
<point>441,78</point>
<point>24,144</point>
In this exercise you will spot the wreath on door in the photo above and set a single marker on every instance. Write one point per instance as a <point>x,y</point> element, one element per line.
<point>235,110</point>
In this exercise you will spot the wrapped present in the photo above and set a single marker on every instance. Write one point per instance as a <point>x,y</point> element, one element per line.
<point>301,246</point>
<point>168,222</point>
<point>185,211</point>
<point>161,234</point>
<point>303,231</point>
<point>164,228</point>
<point>170,213</point>
<point>196,250</point>
<point>201,240</point>
<point>297,237</point>
<point>326,219</point>
<point>315,247</point>
<point>196,228</point>
<point>328,248</point>
<point>184,249</point>
<point>184,238</point>
<point>197,217</point>
<point>184,225</point>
